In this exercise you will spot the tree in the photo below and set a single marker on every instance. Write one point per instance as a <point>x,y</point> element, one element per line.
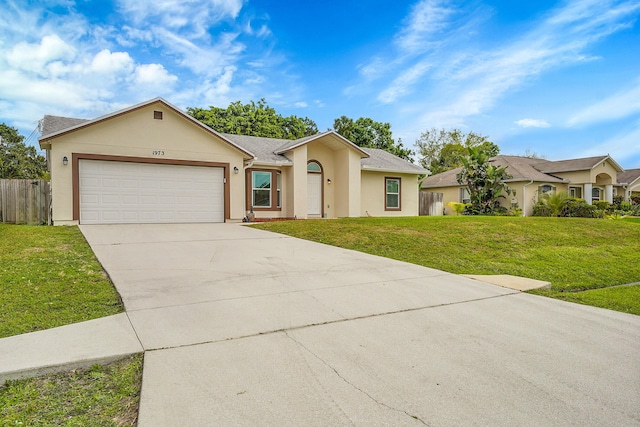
<point>17,160</point>
<point>368,133</point>
<point>254,120</point>
<point>442,150</point>
<point>484,181</point>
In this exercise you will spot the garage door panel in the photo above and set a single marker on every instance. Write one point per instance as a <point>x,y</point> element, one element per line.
<point>123,192</point>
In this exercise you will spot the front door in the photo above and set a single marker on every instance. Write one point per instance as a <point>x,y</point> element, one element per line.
<point>314,194</point>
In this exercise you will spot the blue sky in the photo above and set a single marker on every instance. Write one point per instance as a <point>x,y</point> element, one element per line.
<point>558,78</point>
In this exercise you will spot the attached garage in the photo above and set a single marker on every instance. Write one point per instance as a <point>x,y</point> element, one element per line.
<point>117,192</point>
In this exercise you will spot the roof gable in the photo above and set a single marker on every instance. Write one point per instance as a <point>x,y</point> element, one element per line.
<point>628,177</point>
<point>571,165</point>
<point>54,125</point>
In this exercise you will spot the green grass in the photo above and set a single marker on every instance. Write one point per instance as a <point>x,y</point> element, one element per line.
<point>99,396</point>
<point>573,254</point>
<point>50,277</point>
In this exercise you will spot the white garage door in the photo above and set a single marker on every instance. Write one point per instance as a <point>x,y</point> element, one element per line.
<point>137,193</point>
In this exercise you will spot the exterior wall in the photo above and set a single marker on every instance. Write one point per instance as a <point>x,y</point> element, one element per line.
<point>449,194</point>
<point>347,183</point>
<point>526,195</point>
<point>137,134</point>
<point>298,190</point>
<point>373,194</point>
<point>576,177</point>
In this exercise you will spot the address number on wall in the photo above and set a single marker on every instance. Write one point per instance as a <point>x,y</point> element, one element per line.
<point>158,152</point>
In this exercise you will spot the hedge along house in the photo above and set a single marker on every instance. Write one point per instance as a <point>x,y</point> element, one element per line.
<point>153,163</point>
<point>591,179</point>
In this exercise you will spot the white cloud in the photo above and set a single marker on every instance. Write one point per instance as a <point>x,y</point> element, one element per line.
<point>555,41</point>
<point>426,20</point>
<point>402,84</point>
<point>154,74</point>
<point>107,62</point>
<point>620,105</point>
<point>35,56</point>
<point>532,123</point>
<point>301,104</point>
<point>191,16</point>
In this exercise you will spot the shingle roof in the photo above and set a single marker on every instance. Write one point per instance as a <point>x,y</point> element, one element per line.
<point>380,160</point>
<point>264,149</point>
<point>628,176</point>
<point>520,169</point>
<point>572,164</point>
<point>53,124</point>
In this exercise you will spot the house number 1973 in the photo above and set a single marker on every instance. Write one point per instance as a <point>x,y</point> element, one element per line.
<point>158,152</point>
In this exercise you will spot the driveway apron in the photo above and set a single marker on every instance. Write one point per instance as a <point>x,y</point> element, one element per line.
<point>246,327</point>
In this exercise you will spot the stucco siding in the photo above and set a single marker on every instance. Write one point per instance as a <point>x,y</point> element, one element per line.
<point>373,193</point>
<point>138,134</point>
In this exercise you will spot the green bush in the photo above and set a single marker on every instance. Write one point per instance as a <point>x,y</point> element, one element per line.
<point>579,208</point>
<point>541,209</point>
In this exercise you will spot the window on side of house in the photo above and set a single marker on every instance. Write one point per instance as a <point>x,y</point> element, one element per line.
<point>261,189</point>
<point>575,192</point>
<point>546,189</point>
<point>465,197</point>
<point>595,194</point>
<point>392,193</point>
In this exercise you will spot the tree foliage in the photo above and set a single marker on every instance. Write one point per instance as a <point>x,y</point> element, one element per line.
<point>484,181</point>
<point>366,132</point>
<point>17,160</point>
<point>442,150</point>
<point>254,119</point>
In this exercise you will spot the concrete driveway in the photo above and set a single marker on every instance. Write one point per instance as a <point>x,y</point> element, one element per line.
<point>246,327</point>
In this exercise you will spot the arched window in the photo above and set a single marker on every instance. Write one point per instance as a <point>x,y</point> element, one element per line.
<point>314,167</point>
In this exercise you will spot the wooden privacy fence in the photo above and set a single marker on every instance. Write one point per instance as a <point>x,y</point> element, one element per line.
<point>430,204</point>
<point>24,201</point>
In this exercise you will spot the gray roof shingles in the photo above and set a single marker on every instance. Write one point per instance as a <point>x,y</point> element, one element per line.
<point>525,169</point>
<point>384,161</point>
<point>53,124</point>
<point>267,150</point>
<point>628,176</point>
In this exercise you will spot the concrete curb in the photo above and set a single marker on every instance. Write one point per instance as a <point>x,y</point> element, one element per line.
<point>67,347</point>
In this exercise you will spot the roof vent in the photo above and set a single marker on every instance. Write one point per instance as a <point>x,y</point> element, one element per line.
<point>157,115</point>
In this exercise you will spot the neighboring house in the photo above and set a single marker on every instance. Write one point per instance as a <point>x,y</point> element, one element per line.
<point>153,163</point>
<point>629,183</point>
<point>591,179</point>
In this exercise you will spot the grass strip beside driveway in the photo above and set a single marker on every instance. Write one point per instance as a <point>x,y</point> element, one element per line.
<point>573,254</point>
<point>98,396</point>
<point>50,277</point>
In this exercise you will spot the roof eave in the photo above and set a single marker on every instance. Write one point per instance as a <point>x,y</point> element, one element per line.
<point>323,134</point>
<point>389,170</point>
<point>277,163</point>
<point>48,138</point>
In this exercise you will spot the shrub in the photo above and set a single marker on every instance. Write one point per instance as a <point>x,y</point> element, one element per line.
<point>541,209</point>
<point>579,208</point>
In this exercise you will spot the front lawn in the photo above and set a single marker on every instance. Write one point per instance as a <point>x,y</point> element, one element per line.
<point>98,396</point>
<point>50,277</point>
<point>574,254</point>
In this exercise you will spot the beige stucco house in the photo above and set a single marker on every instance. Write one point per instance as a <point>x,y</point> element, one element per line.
<point>153,163</point>
<point>629,183</point>
<point>591,179</point>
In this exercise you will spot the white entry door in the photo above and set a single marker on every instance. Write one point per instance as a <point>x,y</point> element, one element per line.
<point>314,194</point>
<point>114,192</point>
